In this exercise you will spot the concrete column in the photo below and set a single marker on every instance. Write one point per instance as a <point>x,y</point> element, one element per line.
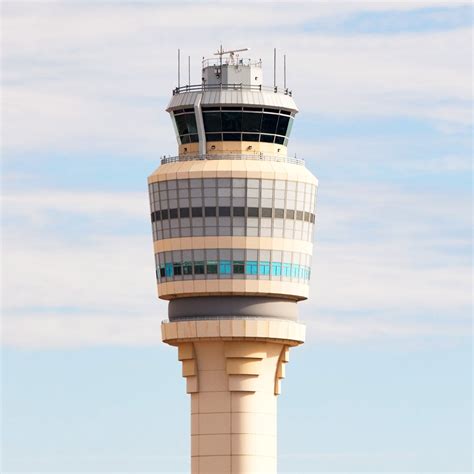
<point>234,379</point>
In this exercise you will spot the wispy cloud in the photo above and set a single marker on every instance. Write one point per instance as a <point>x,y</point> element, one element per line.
<point>105,87</point>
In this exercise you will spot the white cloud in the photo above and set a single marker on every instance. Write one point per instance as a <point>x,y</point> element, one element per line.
<point>104,87</point>
<point>379,251</point>
<point>54,331</point>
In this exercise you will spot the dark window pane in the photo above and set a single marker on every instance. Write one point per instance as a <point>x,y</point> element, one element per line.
<point>214,137</point>
<point>153,217</point>
<point>273,111</point>
<point>162,271</point>
<point>210,211</point>
<point>193,138</point>
<point>199,268</point>
<point>313,218</point>
<point>279,140</point>
<point>185,139</point>
<point>267,138</point>
<point>173,213</point>
<point>181,124</point>
<point>187,268</point>
<point>191,123</point>
<point>231,121</point>
<point>299,215</point>
<point>177,268</point>
<point>279,213</point>
<point>250,137</point>
<point>254,109</point>
<point>205,109</point>
<point>253,211</point>
<point>211,267</point>
<point>196,211</point>
<point>232,137</point>
<point>239,211</point>
<point>188,110</point>
<point>290,214</point>
<point>285,112</point>
<point>269,123</point>
<point>184,212</point>
<point>307,216</point>
<point>282,125</point>
<point>158,215</point>
<point>266,212</point>
<point>238,267</point>
<point>212,121</point>
<point>251,122</point>
<point>164,214</point>
<point>229,107</point>
<point>224,211</point>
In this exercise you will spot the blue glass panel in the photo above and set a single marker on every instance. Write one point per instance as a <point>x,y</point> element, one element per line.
<point>251,267</point>
<point>169,270</point>
<point>287,270</point>
<point>264,268</point>
<point>295,269</point>
<point>225,267</point>
<point>276,268</point>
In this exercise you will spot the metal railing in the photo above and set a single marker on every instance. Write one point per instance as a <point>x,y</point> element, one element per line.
<point>257,157</point>
<point>236,87</point>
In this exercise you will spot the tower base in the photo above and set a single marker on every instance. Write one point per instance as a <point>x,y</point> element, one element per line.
<point>233,370</point>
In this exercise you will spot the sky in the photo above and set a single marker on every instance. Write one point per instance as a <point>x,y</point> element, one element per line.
<point>384,381</point>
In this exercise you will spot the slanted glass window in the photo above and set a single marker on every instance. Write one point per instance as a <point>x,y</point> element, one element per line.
<point>225,267</point>
<point>251,267</point>
<point>269,123</point>
<point>212,121</point>
<point>282,125</point>
<point>251,122</point>
<point>231,121</point>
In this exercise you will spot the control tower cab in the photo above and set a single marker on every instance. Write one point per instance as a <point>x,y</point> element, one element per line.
<point>233,222</point>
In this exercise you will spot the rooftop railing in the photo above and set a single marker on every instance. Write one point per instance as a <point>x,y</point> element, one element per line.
<point>257,157</point>
<point>236,87</point>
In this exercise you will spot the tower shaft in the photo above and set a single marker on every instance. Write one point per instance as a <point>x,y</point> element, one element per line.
<point>233,370</point>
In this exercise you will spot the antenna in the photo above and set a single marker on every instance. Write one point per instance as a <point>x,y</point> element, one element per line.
<point>189,70</point>
<point>179,67</point>
<point>274,67</point>
<point>284,71</point>
<point>231,52</point>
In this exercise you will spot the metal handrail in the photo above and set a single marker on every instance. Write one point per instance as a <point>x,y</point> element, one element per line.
<point>252,87</point>
<point>258,157</point>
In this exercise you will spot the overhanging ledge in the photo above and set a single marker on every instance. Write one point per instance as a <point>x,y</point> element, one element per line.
<point>287,332</point>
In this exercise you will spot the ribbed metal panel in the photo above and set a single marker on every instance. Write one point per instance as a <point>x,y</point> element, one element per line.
<point>237,97</point>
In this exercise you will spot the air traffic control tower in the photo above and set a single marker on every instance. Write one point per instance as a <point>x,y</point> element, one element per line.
<point>233,222</point>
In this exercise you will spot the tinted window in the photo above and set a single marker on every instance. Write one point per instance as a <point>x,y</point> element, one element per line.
<point>212,121</point>
<point>282,125</point>
<point>251,122</point>
<point>269,123</point>
<point>231,121</point>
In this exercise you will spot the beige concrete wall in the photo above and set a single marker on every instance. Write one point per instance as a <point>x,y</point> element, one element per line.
<point>233,370</point>
<point>232,169</point>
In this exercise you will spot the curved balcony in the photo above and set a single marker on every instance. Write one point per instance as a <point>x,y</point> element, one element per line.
<point>236,87</point>
<point>234,156</point>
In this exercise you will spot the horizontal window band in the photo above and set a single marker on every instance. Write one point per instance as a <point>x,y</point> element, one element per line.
<point>228,211</point>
